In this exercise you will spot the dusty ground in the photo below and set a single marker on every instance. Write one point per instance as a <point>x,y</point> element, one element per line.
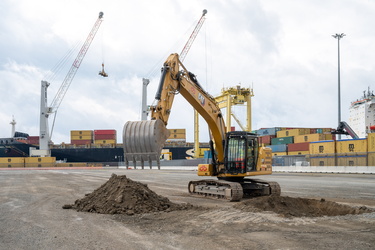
<point>31,214</point>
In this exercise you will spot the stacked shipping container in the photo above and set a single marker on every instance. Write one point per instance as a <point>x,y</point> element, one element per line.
<point>341,153</point>
<point>86,137</point>
<point>81,137</point>
<point>177,135</point>
<point>293,141</point>
<point>106,136</point>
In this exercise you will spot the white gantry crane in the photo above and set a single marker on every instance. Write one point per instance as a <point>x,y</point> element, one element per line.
<point>45,110</point>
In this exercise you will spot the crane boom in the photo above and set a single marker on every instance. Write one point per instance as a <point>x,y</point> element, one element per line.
<point>193,35</point>
<point>77,62</point>
<point>45,110</point>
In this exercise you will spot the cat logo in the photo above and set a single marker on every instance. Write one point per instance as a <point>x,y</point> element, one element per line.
<point>201,99</point>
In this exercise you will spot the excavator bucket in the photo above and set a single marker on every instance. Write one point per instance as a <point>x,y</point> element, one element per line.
<point>143,141</point>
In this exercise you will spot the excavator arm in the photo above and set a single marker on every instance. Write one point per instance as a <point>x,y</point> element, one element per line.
<point>175,79</point>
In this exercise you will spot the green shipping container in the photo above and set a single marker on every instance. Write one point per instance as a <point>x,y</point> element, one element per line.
<point>282,140</point>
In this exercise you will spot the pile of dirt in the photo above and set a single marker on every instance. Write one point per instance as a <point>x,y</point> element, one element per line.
<point>121,195</point>
<point>298,207</point>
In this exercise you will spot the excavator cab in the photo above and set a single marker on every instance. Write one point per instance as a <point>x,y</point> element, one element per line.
<point>241,150</point>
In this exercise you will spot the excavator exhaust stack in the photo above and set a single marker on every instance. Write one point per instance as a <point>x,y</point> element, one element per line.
<point>143,141</point>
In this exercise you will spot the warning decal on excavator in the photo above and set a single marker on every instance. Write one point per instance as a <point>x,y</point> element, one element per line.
<point>202,168</point>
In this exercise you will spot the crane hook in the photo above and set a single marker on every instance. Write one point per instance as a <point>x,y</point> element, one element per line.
<point>102,72</point>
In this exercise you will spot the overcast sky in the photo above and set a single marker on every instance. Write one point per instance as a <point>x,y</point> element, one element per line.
<point>284,49</point>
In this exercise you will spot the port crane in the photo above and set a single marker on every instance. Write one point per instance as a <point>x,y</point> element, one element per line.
<point>45,110</point>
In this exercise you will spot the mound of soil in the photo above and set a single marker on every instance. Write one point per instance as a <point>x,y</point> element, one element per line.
<point>298,207</point>
<point>121,195</point>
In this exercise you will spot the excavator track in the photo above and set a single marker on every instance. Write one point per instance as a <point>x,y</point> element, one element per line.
<point>232,190</point>
<point>258,187</point>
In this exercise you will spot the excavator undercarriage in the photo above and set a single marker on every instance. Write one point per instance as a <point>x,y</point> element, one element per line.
<point>233,190</point>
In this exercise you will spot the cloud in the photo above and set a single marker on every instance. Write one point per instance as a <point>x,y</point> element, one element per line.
<point>284,49</point>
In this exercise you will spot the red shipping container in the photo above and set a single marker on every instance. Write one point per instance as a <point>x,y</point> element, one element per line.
<point>33,139</point>
<point>104,137</point>
<point>313,131</point>
<point>105,132</point>
<point>80,142</point>
<point>266,139</point>
<point>303,146</point>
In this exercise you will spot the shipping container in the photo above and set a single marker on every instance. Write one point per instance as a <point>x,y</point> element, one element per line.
<point>81,133</point>
<point>33,140</point>
<point>177,136</point>
<point>105,142</point>
<point>105,132</point>
<point>322,147</point>
<point>351,160</point>
<point>267,131</point>
<point>80,142</point>
<point>371,142</point>
<point>298,152</point>
<point>279,153</point>
<point>178,131</point>
<point>323,161</point>
<point>303,146</point>
<point>278,148</point>
<point>282,140</point>
<point>37,162</point>
<point>104,137</point>
<point>12,162</point>
<point>371,159</point>
<point>313,130</point>
<point>351,146</point>
<point>81,137</point>
<point>323,130</point>
<point>266,140</point>
<point>309,138</point>
<point>329,136</point>
<point>293,132</point>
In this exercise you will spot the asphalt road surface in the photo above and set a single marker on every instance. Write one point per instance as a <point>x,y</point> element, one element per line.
<point>31,214</point>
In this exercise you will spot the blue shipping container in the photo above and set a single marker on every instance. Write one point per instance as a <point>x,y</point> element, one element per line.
<point>268,131</point>
<point>278,147</point>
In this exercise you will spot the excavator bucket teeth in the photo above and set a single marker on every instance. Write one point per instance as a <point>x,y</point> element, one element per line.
<point>143,141</point>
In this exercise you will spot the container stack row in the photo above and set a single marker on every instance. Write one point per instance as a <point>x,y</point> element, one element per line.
<point>350,152</point>
<point>107,136</point>
<point>85,137</point>
<point>177,135</point>
<point>292,141</point>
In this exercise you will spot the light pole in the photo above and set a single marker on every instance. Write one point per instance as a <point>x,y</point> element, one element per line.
<point>338,37</point>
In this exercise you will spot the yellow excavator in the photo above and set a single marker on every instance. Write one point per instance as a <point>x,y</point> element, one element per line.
<point>235,155</point>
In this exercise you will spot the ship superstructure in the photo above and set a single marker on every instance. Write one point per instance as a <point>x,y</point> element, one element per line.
<point>362,114</point>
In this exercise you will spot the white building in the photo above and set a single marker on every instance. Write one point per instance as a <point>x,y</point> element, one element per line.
<point>362,114</point>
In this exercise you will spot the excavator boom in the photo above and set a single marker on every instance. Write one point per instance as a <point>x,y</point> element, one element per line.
<point>175,79</point>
